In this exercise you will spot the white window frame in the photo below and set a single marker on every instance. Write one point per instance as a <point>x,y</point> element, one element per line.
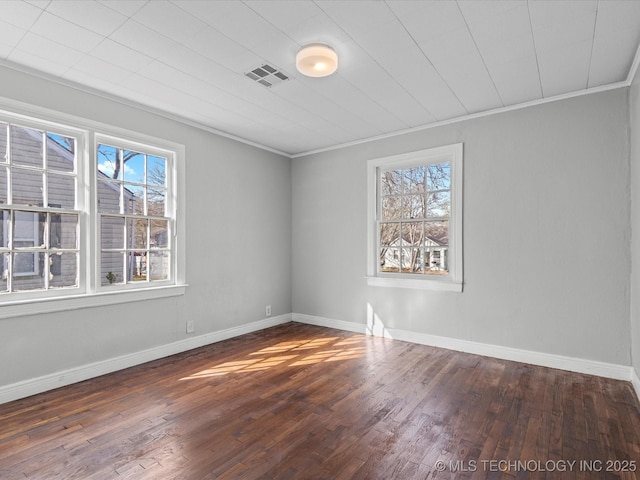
<point>170,207</point>
<point>12,304</point>
<point>452,282</point>
<point>89,293</point>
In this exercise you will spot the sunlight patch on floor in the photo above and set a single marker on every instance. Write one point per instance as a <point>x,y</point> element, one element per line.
<point>294,346</point>
<point>331,356</point>
<point>344,349</point>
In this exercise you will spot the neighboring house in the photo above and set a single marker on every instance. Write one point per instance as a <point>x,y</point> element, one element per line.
<point>432,258</point>
<point>29,267</point>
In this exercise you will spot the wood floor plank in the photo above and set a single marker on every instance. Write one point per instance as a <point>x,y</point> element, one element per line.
<point>304,402</point>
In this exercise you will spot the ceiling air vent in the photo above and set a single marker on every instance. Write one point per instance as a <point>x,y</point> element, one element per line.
<point>267,75</point>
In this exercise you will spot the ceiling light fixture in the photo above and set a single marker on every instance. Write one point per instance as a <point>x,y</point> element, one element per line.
<point>316,60</point>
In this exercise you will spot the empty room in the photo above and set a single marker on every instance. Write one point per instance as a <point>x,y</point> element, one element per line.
<point>319,239</point>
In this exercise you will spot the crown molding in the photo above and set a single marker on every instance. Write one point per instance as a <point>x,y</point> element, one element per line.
<point>495,111</point>
<point>192,123</point>
<point>132,103</point>
<point>622,84</point>
<point>634,68</point>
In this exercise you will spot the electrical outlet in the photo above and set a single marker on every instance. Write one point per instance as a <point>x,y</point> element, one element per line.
<point>267,310</point>
<point>191,326</point>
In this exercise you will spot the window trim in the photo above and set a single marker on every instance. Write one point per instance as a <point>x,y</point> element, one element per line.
<point>88,294</point>
<point>454,281</point>
<point>42,119</point>
<point>76,301</point>
<point>171,204</point>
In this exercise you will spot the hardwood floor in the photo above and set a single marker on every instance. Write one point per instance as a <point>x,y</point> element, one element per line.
<point>304,402</point>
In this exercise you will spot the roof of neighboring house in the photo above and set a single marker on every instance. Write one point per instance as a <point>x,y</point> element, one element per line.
<point>439,240</point>
<point>30,140</point>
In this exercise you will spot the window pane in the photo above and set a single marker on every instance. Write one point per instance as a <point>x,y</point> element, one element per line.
<point>61,190</point>
<point>159,235</point>
<point>111,232</point>
<point>28,230</point>
<point>108,196</point>
<point>412,233</point>
<point>437,260</point>
<point>134,199</point>
<point>3,143</point>
<point>436,234</point>
<point>439,204</point>
<point>412,260</point>
<point>137,233</point>
<point>63,270</point>
<point>390,182</point>
<point>414,180</point>
<point>111,268</point>
<point>27,268</point>
<point>156,170</point>
<point>4,272</point>
<point>27,187</point>
<point>390,234</point>
<point>63,231</point>
<point>109,162</point>
<point>437,251</point>
<point>159,265</point>
<point>61,153</point>
<point>133,167</point>
<point>26,146</point>
<point>389,259</point>
<point>5,217</point>
<point>137,266</point>
<point>25,263</point>
<point>156,201</point>
<point>439,176</point>
<point>3,185</point>
<point>413,206</point>
<point>391,208</point>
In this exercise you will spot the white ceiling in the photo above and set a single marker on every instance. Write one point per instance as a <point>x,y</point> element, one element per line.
<point>403,64</point>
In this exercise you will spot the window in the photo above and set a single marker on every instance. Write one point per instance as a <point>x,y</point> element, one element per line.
<point>38,178</point>
<point>415,220</point>
<point>79,222</point>
<point>135,217</point>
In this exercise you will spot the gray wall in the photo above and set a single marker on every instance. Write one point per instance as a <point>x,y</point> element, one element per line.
<point>634,102</point>
<point>546,232</point>
<point>238,205</point>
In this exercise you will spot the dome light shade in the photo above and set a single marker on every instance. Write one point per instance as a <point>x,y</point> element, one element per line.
<point>316,60</point>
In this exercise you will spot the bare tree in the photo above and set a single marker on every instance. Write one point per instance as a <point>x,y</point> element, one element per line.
<point>411,200</point>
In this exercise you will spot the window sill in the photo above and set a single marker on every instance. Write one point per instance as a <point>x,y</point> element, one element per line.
<point>418,284</point>
<point>74,302</point>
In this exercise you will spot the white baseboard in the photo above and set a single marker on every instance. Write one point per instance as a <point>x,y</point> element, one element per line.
<point>33,386</point>
<point>579,365</point>
<point>635,381</point>
<point>330,323</point>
